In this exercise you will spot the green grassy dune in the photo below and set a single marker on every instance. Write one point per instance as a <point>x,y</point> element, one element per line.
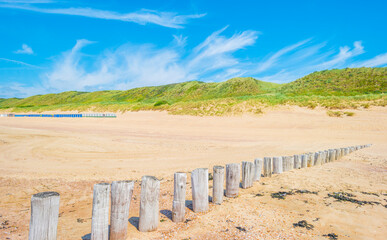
<point>332,89</point>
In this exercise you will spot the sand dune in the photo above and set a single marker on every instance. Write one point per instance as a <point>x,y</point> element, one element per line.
<point>70,155</point>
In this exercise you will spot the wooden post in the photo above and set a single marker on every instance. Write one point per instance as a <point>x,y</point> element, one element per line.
<point>218,180</point>
<point>317,159</point>
<point>328,155</point>
<point>267,167</point>
<point>342,153</point>
<point>149,204</point>
<point>287,163</point>
<point>323,157</point>
<point>297,161</point>
<point>258,162</point>
<point>331,155</point>
<point>199,181</point>
<point>178,204</point>
<point>284,163</point>
<point>247,174</point>
<point>338,153</point>
<point>232,180</point>
<point>100,214</point>
<point>44,216</point>
<point>291,162</point>
<point>322,154</point>
<point>310,160</point>
<point>277,165</point>
<point>121,196</point>
<point>304,160</point>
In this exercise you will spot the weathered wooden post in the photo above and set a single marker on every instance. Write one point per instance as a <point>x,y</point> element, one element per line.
<point>342,154</point>
<point>121,196</point>
<point>338,153</point>
<point>149,204</point>
<point>277,165</point>
<point>258,162</point>
<point>178,204</point>
<point>297,161</point>
<point>218,180</point>
<point>267,167</point>
<point>291,162</point>
<point>310,160</point>
<point>304,160</point>
<point>323,157</point>
<point>199,181</point>
<point>247,174</point>
<point>284,164</point>
<point>232,180</point>
<point>317,159</point>
<point>331,155</point>
<point>44,216</point>
<point>100,214</point>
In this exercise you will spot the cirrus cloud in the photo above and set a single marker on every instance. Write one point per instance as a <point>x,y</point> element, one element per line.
<point>143,16</point>
<point>25,50</point>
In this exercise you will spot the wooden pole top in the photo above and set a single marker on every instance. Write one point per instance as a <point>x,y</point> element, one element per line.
<point>45,194</point>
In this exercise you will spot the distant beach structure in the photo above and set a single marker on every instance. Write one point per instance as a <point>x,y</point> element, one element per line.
<point>82,115</point>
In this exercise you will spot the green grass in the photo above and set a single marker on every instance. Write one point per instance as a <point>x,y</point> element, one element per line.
<point>340,113</point>
<point>331,89</point>
<point>342,82</point>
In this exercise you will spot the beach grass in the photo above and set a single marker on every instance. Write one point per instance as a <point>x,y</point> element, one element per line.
<point>338,89</point>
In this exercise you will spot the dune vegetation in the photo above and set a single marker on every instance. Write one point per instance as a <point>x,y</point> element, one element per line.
<point>350,88</point>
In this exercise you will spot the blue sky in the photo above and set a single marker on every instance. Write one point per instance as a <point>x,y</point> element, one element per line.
<point>50,46</point>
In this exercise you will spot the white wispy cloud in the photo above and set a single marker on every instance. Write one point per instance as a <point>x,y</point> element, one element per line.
<point>180,40</point>
<point>19,62</point>
<point>25,50</point>
<point>344,54</point>
<point>273,59</point>
<point>144,16</point>
<point>132,66</point>
<point>304,59</point>
<point>378,61</point>
<point>212,60</point>
<point>216,51</point>
<point>15,89</point>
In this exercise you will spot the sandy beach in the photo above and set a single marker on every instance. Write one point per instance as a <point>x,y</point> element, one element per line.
<point>70,155</point>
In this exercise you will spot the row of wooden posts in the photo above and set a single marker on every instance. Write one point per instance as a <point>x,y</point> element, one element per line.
<point>45,205</point>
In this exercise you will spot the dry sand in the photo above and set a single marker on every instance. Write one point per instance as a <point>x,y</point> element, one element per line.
<point>70,155</point>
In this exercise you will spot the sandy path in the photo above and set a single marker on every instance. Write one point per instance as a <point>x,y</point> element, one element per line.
<point>69,155</point>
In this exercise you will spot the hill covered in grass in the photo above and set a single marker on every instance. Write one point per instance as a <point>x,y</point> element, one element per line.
<point>186,91</point>
<point>349,81</point>
<point>333,89</point>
